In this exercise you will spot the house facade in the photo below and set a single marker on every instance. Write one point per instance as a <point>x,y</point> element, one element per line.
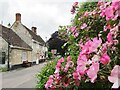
<point>13,48</point>
<point>31,38</point>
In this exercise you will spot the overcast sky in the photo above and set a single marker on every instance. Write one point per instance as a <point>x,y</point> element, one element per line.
<point>46,15</point>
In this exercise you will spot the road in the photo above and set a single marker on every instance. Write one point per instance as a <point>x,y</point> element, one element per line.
<point>21,78</point>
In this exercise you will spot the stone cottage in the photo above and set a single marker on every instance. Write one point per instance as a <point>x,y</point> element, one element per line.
<point>31,38</point>
<point>13,48</point>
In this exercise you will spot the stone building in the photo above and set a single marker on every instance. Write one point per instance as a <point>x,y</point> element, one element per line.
<point>13,48</point>
<point>31,38</point>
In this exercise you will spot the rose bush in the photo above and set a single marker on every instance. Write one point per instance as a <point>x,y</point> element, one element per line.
<point>44,74</point>
<point>93,52</point>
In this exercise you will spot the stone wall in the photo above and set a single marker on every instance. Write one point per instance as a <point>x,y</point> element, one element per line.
<point>16,56</point>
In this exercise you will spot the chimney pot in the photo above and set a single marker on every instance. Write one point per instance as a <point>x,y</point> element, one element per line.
<point>34,29</point>
<point>18,17</point>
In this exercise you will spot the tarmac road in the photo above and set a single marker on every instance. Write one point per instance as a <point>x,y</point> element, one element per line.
<point>21,78</point>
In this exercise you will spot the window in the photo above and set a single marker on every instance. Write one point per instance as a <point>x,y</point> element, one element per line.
<point>2,58</point>
<point>24,56</point>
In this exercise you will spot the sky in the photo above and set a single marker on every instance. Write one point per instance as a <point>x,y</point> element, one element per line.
<point>46,15</point>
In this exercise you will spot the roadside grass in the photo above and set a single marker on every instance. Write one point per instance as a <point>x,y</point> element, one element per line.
<point>3,69</point>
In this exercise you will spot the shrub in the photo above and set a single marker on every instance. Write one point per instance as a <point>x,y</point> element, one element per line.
<point>50,55</point>
<point>93,51</point>
<point>94,40</point>
<point>3,69</point>
<point>44,74</point>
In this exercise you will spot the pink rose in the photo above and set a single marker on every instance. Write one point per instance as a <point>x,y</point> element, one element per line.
<point>105,59</point>
<point>115,42</point>
<point>116,4</point>
<point>81,64</point>
<point>73,28</point>
<point>76,34</point>
<point>58,64</point>
<point>69,64</point>
<point>115,76</point>
<point>109,37</point>
<point>57,70</point>
<point>75,4</point>
<point>109,12</point>
<point>94,45</point>
<point>104,48</point>
<point>49,82</point>
<point>83,26</point>
<point>92,71</point>
<point>86,14</point>
<point>74,7</point>
<point>75,76</point>
<point>62,59</point>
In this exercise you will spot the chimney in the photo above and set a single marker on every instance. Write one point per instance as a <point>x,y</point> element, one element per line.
<point>18,17</point>
<point>34,29</point>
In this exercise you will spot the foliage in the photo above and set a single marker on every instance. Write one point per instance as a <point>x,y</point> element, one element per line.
<point>88,6</point>
<point>50,55</point>
<point>62,32</point>
<point>55,42</point>
<point>3,69</point>
<point>93,51</point>
<point>44,74</point>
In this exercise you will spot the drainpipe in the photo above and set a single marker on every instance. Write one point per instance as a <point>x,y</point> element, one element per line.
<point>8,62</point>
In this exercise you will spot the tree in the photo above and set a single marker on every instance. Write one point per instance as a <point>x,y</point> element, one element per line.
<point>56,42</point>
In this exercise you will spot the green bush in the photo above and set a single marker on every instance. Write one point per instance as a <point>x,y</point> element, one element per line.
<point>45,73</point>
<point>95,25</point>
<point>50,55</point>
<point>3,69</point>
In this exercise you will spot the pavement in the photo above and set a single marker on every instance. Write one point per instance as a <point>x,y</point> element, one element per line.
<point>21,78</point>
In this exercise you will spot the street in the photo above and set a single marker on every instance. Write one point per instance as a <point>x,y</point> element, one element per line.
<point>21,78</point>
